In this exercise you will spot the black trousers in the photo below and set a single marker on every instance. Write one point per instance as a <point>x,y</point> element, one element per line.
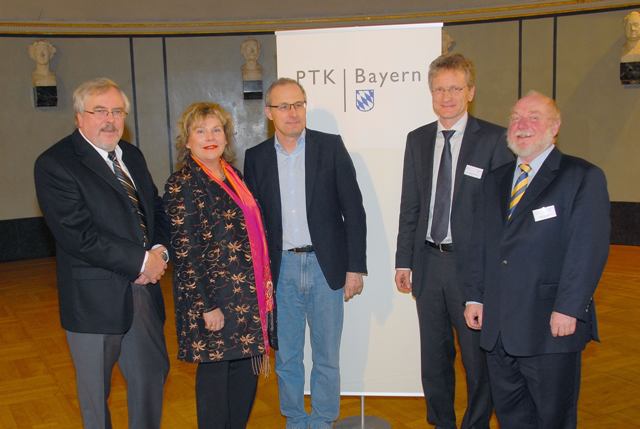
<point>440,305</point>
<point>224,393</point>
<point>535,392</point>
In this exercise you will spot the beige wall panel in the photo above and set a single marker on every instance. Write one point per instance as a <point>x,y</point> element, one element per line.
<point>601,118</point>
<point>493,47</point>
<point>151,107</point>
<point>537,55</point>
<point>26,131</point>
<point>209,68</point>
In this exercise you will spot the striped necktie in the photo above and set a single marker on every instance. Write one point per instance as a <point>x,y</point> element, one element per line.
<point>519,188</point>
<point>127,184</point>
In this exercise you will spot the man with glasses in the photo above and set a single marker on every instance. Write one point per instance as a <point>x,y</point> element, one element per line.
<point>100,203</point>
<point>305,182</point>
<point>445,164</point>
<point>541,241</point>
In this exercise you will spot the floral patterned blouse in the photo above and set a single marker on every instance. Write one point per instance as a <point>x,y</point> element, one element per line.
<point>212,269</point>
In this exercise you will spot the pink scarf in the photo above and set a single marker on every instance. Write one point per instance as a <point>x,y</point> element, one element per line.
<point>257,241</point>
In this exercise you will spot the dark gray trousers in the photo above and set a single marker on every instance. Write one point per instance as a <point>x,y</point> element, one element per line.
<point>440,307</point>
<point>141,353</point>
<point>535,392</point>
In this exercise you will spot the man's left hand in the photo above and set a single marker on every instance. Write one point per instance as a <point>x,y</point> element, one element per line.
<point>562,325</point>
<point>353,285</point>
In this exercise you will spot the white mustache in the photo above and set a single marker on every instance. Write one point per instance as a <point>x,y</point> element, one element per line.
<point>109,128</point>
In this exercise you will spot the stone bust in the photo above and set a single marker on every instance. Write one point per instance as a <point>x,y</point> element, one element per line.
<point>251,69</point>
<point>42,51</point>
<point>631,50</point>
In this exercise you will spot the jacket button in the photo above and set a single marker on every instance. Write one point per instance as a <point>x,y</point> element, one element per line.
<point>504,262</point>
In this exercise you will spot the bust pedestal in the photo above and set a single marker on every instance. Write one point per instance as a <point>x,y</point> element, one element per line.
<point>45,96</point>
<point>252,89</point>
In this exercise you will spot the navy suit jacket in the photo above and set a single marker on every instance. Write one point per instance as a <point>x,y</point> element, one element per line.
<point>99,242</point>
<point>526,267</point>
<point>483,146</point>
<point>335,214</point>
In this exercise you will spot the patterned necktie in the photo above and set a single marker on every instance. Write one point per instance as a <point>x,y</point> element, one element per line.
<point>519,188</point>
<point>442,202</point>
<point>127,184</point>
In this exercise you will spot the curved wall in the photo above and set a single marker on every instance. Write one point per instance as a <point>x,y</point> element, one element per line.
<point>574,57</point>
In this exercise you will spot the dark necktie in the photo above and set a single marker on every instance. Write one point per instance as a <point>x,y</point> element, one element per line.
<point>127,184</point>
<point>442,203</point>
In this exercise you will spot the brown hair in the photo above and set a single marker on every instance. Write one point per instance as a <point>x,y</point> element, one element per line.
<point>453,62</point>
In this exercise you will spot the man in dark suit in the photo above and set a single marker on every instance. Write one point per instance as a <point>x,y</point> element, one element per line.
<point>444,166</point>
<point>540,244</point>
<point>101,205</point>
<point>305,182</point>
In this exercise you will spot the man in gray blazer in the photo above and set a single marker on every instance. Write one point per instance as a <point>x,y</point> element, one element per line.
<point>306,185</point>
<point>444,166</point>
<point>101,205</point>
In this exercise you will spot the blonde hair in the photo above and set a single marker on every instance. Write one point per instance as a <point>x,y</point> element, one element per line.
<point>198,112</point>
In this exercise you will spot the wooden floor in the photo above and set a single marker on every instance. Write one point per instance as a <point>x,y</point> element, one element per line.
<point>37,388</point>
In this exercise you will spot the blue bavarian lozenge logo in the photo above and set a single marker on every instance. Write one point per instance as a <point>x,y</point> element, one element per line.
<point>364,99</point>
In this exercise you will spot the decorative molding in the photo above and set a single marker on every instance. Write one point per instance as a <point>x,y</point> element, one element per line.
<point>517,10</point>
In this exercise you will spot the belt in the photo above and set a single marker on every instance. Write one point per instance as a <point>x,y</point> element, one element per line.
<point>303,249</point>
<point>441,247</point>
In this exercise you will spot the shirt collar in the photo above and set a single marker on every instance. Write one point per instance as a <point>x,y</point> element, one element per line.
<point>537,162</point>
<point>299,144</point>
<point>459,126</point>
<point>103,153</point>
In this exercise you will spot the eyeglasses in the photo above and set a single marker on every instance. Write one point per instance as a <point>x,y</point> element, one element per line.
<point>285,107</point>
<point>104,113</point>
<point>453,90</point>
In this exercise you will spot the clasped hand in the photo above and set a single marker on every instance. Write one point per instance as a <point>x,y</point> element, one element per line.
<point>154,268</point>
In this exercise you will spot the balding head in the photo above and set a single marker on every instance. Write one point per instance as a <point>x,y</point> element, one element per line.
<point>533,126</point>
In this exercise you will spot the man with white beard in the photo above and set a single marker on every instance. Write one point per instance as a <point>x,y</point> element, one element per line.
<point>539,245</point>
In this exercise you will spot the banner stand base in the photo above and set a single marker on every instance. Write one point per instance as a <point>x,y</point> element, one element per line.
<point>369,422</point>
<point>362,421</point>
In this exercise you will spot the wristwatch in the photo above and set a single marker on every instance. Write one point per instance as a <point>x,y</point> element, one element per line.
<point>165,255</point>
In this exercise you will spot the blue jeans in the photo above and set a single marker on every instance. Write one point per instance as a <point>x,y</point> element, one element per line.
<point>303,296</point>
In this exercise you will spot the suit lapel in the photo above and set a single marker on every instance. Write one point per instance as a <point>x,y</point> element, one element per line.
<point>92,159</point>
<point>542,179</point>
<point>272,179</point>
<point>504,186</point>
<point>426,160</point>
<point>466,150</point>
<point>311,159</point>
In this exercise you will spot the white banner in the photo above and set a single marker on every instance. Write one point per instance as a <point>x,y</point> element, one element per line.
<point>370,85</point>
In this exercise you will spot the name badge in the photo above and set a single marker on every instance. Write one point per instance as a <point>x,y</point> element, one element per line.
<point>544,213</point>
<point>472,171</point>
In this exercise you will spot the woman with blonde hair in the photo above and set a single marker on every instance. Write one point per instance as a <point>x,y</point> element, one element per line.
<point>223,292</point>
